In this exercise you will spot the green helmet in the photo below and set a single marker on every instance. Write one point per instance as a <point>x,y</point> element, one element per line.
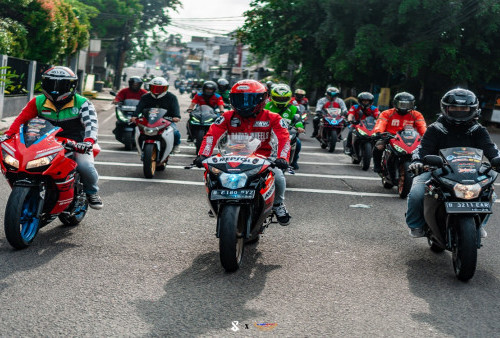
<point>281,94</point>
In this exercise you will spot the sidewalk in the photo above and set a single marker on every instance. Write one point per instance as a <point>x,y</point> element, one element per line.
<point>5,123</point>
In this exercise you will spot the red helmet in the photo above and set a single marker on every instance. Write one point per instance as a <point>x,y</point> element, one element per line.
<point>248,97</point>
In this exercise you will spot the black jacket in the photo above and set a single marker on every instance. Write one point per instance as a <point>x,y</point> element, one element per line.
<point>443,134</point>
<point>168,102</point>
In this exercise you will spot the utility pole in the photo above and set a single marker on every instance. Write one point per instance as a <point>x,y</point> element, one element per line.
<point>123,47</point>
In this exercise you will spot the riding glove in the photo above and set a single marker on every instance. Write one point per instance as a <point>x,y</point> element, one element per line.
<point>199,161</point>
<point>281,163</point>
<point>416,168</point>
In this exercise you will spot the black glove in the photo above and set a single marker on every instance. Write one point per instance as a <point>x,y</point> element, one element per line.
<point>83,147</point>
<point>281,163</point>
<point>199,161</point>
<point>416,167</point>
<point>4,138</point>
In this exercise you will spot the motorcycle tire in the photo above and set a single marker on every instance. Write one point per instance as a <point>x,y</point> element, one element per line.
<point>128,140</point>
<point>323,145</point>
<point>20,223</point>
<point>405,180</point>
<point>198,136</point>
<point>464,250</point>
<point>366,155</point>
<point>434,246</point>
<point>149,164</point>
<point>231,238</point>
<point>386,184</point>
<point>332,141</point>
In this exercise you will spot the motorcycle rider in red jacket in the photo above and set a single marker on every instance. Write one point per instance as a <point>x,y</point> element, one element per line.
<point>249,117</point>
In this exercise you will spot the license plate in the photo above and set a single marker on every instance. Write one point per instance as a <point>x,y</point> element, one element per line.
<point>232,194</point>
<point>468,207</point>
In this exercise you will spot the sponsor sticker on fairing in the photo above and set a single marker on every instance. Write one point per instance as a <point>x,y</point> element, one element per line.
<point>219,120</point>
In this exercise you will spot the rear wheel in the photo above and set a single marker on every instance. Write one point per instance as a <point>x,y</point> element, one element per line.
<point>366,154</point>
<point>21,224</point>
<point>231,237</point>
<point>128,140</point>
<point>149,164</point>
<point>199,135</point>
<point>332,141</point>
<point>405,180</point>
<point>464,251</point>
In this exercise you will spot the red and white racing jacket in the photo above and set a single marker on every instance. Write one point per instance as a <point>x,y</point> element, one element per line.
<point>264,127</point>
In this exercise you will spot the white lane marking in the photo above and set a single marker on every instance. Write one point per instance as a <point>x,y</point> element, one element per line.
<point>341,164</point>
<point>108,118</point>
<point>135,153</point>
<point>121,144</point>
<point>106,135</point>
<point>121,164</point>
<point>317,191</point>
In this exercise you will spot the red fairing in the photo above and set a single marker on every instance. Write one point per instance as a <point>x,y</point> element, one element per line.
<point>408,148</point>
<point>260,127</point>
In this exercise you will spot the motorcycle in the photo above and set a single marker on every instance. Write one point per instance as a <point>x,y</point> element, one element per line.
<point>294,134</point>
<point>397,157</point>
<point>331,125</point>
<point>240,188</point>
<point>457,202</point>
<point>154,137</point>
<point>45,184</point>
<point>200,120</point>
<point>362,144</point>
<point>125,130</point>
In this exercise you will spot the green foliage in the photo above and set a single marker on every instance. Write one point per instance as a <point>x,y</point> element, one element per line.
<point>12,37</point>
<point>12,82</point>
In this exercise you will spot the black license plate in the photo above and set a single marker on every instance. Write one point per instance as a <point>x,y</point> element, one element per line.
<point>468,207</point>
<point>232,194</point>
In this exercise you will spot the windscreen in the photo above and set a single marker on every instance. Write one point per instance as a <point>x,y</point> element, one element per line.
<point>240,144</point>
<point>35,129</point>
<point>463,160</point>
<point>154,114</point>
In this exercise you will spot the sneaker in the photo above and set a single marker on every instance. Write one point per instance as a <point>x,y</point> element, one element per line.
<point>176,149</point>
<point>281,214</point>
<point>95,201</point>
<point>417,232</point>
<point>348,151</point>
<point>295,166</point>
<point>291,171</point>
<point>211,213</point>
<point>484,234</point>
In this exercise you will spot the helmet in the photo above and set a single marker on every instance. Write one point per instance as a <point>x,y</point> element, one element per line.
<point>158,87</point>
<point>459,105</point>
<point>269,85</point>
<point>365,96</point>
<point>332,91</point>
<point>300,93</point>
<point>281,95</point>
<point>209,88</point>
<point>248,97</point>
<point>223,85</point>
<point>135,83</point>
<point>404,102</point>
<point>59,85</point>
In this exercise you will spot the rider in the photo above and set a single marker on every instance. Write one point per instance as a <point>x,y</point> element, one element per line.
<point>456,127</point>
<point>359,112</point>
<point>133,92</point>
<point>248,98</point>
<point>223,90</point>
<point>331,100</point>
<point>160,97</point>
<point>269,86</point>
<point>280,103</point>
<point>300,98</point>
<point>76,115</point>
<point>394,120</point>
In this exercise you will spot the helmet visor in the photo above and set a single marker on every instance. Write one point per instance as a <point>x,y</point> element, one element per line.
<point>58,89</point>
<point>155,89</point>
<point>332,94</point>
<point>246,101</point>
<point>405,105</point>
<point>280,99</point>
<point>459,112</point>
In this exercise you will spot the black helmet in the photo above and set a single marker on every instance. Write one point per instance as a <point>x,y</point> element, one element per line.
<point>59,85</point>
<point>135,83</point>
<point>209,86</point>
<point>459,105</point>
<point>269,85</point>
<point>332,91</point>
<point>365,96</point>
<point>404,102</point>
<point>223,85</point>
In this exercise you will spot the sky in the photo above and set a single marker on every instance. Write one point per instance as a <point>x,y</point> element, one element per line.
<point>210,18</point>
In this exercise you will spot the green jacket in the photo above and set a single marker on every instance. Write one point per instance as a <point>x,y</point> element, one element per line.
<point>286,114</point>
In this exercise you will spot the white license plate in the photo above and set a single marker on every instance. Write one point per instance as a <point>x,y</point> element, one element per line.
<point>232,194</point>
<point>468,207</point>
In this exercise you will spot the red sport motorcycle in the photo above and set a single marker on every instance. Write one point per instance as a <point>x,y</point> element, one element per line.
<point>362,144</point>
<point>240,188</point>
<point>45,183</point>
<point>397,157</point>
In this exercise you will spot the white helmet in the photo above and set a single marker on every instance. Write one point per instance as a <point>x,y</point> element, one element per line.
<point>158,87</point>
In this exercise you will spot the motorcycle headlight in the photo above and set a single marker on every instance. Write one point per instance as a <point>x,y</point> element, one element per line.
<point>233,181</point>
<point>361,132</point>
<point>40,162</point>
<point>399,149</point>
<point>195,119</point>
<point>467,191</point>
<point>150,131</point>
<point>215,171</point>
<point>210,120</point>
<point>10,160</point>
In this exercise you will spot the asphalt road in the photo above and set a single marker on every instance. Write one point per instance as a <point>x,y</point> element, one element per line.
<point>148,264</point>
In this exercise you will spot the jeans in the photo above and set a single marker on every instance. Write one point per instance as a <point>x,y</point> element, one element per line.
<point>279,185</point>
<point>415,213</point>
<point>88,173</point>
<point>295,158</point>
<point>177,135</point>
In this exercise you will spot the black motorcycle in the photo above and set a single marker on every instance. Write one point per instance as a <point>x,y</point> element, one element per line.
<point>200,120</point>
<point>125,130</point>
<point>362,144</point>
<point>241,190</point>
<point>458,199</point>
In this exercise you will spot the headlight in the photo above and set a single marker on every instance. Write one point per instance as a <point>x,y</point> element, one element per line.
<point>195,119</point>
<point>40,162</point>
<point>10,160</point>
<point>150,131</point>
<point>399,149</point>
<point>233,181</point>
<point>210,120</point>
<point>215,171</point>
<point>361,132</point>
<point>467,192</point>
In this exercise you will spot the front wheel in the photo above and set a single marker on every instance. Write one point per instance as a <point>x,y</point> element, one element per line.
<point>231,237</point>
<point>405,180</point>
<point>366,154</point>
<point>332,141</point>
<point>149,164</point>
<point>464,251</point>
<point>21,224</point>
<point>128,140</point>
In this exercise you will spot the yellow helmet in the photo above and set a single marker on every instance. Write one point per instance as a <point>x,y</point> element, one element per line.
<point>281,95</point>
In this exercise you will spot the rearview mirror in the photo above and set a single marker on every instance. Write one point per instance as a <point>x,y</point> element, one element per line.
<point>434,161</point>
